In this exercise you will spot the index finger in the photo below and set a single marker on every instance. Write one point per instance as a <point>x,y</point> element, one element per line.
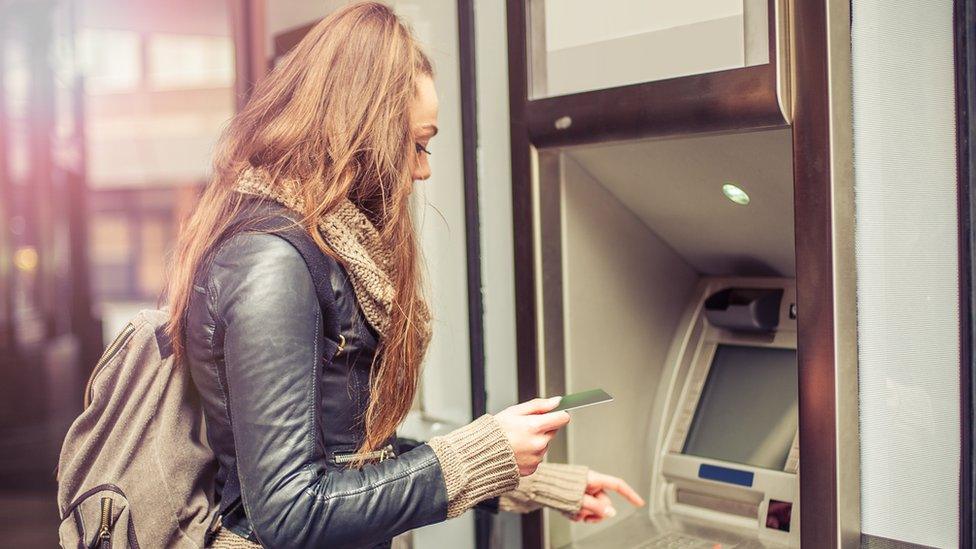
<point>626,491</point>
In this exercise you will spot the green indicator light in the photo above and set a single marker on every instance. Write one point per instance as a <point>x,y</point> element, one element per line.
<point>735,194</point>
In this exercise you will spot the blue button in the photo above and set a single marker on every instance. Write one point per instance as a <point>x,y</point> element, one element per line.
<point>724,474</point>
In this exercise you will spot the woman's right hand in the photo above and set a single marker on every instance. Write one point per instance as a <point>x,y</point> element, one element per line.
<point>530,429</point>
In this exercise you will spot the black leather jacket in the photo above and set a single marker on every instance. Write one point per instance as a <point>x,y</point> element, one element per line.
<point>278,412</point>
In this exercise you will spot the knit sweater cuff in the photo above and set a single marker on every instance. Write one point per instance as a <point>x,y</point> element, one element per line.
<point>554,485</point>
<point>477,462</point>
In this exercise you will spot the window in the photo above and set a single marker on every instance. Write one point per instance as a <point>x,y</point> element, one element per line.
<point>180,61</point>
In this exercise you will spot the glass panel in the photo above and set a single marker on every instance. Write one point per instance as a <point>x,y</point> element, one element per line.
<point>579,46</point>
<point>748,410</point>
<point>110,60</point>
<point>907,256</point>
<point>185,61</point>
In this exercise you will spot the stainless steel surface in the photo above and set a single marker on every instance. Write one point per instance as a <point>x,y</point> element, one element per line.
<point>538,76</point>
<point>844,275</point>
<point>784,58</point>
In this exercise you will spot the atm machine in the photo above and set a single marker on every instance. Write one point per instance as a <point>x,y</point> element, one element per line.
<point>658,150</point>
<point>634,274</point>
<point>725,461</point>
<point>678,297</point>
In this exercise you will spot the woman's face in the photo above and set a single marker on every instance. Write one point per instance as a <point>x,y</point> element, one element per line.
<point>423,126</point>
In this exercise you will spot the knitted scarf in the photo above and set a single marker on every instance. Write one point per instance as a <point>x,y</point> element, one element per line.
<point>353,237</point>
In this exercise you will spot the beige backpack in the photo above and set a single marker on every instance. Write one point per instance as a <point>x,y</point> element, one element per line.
<point>135,468</point>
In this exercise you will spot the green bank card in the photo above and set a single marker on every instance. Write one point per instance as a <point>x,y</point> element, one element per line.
<point>585,398</point>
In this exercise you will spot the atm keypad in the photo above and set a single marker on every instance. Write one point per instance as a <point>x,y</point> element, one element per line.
<point>675,540</point>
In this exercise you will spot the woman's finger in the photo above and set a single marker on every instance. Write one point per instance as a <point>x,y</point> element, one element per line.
<point>618,485</point>
<point>552,421</point>
<point>597,507</point>
<point>591,505</point>
<point>588,517</point>
<point>628,493</point>
<point>582,514</point>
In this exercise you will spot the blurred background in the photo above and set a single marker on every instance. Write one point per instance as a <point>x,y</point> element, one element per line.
<point>109,112</point>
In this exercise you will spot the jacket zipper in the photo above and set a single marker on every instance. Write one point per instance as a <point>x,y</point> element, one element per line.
<point>341,346</point>
<point>383,453</point>
<point>104,534</point>
<point>111,351</point>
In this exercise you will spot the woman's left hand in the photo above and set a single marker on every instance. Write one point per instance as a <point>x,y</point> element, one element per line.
<point>596,504</point>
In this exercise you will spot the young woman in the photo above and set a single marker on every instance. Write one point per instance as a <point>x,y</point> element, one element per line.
<point>305,431</point>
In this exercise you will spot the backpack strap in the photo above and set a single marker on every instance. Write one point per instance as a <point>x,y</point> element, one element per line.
<point>282,223</point>
<point>270,217</point>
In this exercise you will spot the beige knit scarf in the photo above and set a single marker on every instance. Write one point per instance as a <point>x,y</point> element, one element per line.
<point>354,238</point>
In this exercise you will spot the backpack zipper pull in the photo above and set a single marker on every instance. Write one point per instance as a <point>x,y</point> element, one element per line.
<point>104,534</point>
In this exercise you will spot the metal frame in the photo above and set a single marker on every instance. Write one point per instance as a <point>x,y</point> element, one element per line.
<point>965,50</point>
<point>838,215</point>
<point>740,99</point>
<point>467,69</point>
<point>526,336</point>
<point>815,284</point>
<point>716,101</point>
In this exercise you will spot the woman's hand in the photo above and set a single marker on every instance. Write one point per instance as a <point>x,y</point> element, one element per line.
<point>596,504</point>
<point>530,429</point>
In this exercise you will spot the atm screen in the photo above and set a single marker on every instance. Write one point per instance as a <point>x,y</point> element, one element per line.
<point>747,412</point>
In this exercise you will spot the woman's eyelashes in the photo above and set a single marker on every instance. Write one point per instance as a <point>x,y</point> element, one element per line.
<point>421,148</point>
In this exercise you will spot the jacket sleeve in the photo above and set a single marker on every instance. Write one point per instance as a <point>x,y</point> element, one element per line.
<point>263,295</point>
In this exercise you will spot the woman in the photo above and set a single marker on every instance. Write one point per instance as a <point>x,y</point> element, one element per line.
<point>305,438</point>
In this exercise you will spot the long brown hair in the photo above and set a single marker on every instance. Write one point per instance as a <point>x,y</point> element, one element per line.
<point>333,115</point>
